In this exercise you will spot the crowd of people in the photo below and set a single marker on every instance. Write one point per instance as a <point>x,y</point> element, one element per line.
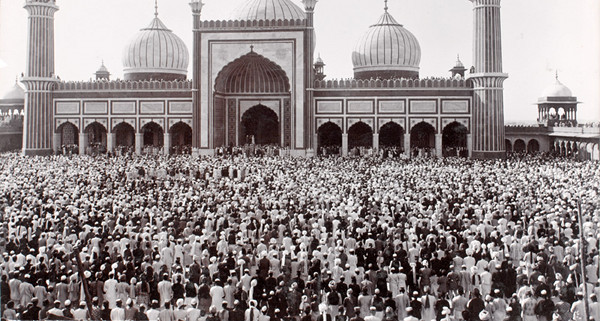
<point>307,239</point>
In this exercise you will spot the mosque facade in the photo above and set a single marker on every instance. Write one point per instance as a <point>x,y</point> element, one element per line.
<point>255,81</point>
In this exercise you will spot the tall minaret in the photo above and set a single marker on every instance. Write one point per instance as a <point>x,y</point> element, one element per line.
<point>309,77</point>
<point>488,101</point>
<point>39,78</point>
<point>196,6</point>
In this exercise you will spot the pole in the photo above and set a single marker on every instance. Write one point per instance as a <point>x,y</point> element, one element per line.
<point>88,299</point>
<point>582,260</point>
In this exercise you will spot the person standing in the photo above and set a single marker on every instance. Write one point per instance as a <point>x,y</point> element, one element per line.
<point>165,290</point>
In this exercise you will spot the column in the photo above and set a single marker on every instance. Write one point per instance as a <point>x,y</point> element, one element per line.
<point>316,143</point>
<point>110,142</point>
<point>167,142</point>
<point>438,145</point>
<point>407,144</point>
<point>470,145</point>
<point>83,143</point>
<point>57,142</point>
<point>139,140</point>
<point>375,142</point>
<point>344,144</point>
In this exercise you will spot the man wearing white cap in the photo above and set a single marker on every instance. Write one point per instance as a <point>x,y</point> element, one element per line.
<point>193,313</point>
<point>117,313</point>
<point>80,313</point>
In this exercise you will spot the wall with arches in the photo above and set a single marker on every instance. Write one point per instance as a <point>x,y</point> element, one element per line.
<point>142,110</point>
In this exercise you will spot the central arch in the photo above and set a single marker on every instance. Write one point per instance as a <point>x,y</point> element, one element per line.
<point>422,138</point>
<point>252,77</point>
<point>260,125</point>
<point>391,135</point>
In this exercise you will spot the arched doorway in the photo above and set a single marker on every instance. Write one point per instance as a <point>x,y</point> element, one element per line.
<point>251,76</point>
<point>329,139</point>
<point>520,146</point>
<point>69,138</point>
<point>533,146</point>
<point>96,138</point>
<point>181,138</point>
<point>153,138</point>
<point>391,135</point>
<point>260,125</point>
<point>69,134</point>
<point>508,145</point>
<point>422,139</point>
<point>124,135</point>
<point>359,135</point>
<point>454,140</point>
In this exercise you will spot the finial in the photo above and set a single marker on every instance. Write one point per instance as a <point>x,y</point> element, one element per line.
<point>556,74</point>
<point>386,6</point>
<point>251,48</point>
<point>156,8</point>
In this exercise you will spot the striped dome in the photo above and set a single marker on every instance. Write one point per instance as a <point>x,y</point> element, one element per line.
<point>256,10</point>
<point>157,53</point>
<point>387,50</point>
<point>252,73</point>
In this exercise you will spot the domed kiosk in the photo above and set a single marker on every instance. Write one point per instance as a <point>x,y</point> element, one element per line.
<point>387,50</point>
<point>11,118</point>
<point>155,53</point>
<point>557,106</point>
<point>13,101</point>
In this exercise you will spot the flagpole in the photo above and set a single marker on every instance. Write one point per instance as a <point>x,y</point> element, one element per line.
<point>582,260</point>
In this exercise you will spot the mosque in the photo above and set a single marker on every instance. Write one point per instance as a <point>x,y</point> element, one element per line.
<point>255,80</point>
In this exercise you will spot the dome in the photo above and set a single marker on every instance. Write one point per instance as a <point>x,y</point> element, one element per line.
<point>557,90</point>
<point>387,50</point>
<point>15,93</point>
<point>155,53</point>
<point>102,69</point>
<point>268,10</point>
<point>252,73</point>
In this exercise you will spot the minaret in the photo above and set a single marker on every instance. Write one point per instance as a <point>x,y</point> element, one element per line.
<point>39,78</point>
<point>196,6</point>
<point>309,52</point>
<point>488,101</point>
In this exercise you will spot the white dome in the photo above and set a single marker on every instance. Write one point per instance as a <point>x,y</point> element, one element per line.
<point>155,50</point>
<point>15,93</point>
<point>256,10</point>
<point>387,47</point>
<point>557,90</point>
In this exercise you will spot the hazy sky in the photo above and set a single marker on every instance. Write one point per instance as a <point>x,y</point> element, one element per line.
<point>539,37</point>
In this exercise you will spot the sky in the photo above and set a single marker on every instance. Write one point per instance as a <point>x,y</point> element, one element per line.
<point>540,37</point>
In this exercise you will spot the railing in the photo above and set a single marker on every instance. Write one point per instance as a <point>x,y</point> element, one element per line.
<point>219,24</point>
<point>392,83</point>
<point>124,85</point>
